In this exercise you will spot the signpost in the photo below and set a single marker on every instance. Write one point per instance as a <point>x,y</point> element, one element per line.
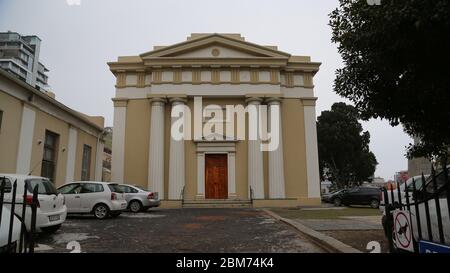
<point>403,230</point>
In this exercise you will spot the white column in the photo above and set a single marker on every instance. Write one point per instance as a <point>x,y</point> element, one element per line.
<point>176,160</point>
<point>24,164</point>
<point>71,154</point>
<point>231,175</point>
<point>200,175</point>
<point>118,141</point>
<point>156,147</point>
<point>276,162</point>
<point>312,155</point>
<point>99,161</point>
<point>255,154</point>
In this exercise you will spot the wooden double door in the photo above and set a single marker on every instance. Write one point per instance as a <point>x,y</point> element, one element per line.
<point>216,176</point>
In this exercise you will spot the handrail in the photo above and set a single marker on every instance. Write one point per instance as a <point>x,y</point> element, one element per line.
<point>182,195</point>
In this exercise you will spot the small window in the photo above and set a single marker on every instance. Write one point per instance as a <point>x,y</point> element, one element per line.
<point>115,188</point>
<point>91,188</point>
<point>86,163</point>
<point>44,186</point>
<point>50,155</point>
<point>70,189</point>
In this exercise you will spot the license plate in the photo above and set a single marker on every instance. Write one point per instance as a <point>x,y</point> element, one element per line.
<point>53,218</point>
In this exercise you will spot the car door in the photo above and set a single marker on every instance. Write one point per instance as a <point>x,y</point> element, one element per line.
<point>127,192</point>
<point>351,196</point>
<point>90,193</point>
<point>72,195</point>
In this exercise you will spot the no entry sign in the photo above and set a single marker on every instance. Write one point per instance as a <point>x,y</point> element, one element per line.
<point>403,230</point>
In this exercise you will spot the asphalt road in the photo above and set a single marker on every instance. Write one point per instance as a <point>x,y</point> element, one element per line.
<point>178,230</point>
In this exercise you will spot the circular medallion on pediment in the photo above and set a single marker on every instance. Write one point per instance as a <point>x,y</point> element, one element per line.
<point>215,52</point>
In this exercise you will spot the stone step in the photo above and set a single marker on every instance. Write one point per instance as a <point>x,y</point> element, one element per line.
<point>217,203</point>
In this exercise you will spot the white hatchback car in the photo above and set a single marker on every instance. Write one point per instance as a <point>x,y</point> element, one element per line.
<point>51,211</point>
<point>4,231</point>
<point>99,198</point>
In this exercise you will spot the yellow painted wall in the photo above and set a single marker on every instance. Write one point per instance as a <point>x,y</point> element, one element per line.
<point>45,122</point>
<point>9,132</point>
<point>137,139</point>
<point>82,139</point>
<point>294,148</point>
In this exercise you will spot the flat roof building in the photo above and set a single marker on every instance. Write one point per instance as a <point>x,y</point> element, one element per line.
<point>19,55</point>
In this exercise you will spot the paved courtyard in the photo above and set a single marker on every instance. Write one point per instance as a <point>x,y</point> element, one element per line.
<point>178,230</point>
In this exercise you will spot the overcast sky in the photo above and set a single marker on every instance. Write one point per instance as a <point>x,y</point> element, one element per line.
<point>78,40</point>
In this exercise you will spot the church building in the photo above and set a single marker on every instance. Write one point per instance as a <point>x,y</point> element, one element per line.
<point>222,157</point>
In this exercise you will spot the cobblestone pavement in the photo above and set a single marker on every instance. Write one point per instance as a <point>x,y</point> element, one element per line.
<point>178,230</point>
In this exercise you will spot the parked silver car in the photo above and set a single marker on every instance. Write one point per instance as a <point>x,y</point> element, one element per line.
<point>139,199</point>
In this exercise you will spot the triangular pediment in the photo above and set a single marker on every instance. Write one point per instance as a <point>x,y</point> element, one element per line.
<point>215,46</point>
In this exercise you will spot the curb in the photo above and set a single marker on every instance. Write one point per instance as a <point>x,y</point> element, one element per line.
<point>328,243</point>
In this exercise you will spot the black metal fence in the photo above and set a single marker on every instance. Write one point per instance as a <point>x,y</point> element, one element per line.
<point>428,204</point>
<point>8,199</point>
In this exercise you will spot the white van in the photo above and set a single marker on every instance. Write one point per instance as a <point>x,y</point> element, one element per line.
<point>51,210</point>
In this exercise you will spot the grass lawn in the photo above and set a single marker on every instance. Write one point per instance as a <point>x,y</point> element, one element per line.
<point>325,213</point>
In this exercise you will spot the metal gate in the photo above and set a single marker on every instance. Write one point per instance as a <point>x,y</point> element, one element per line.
<point>428,208</point>
<point>27,236</point>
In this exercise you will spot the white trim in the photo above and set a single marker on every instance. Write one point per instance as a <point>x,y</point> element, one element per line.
<point>312,156</point>
<point>118,145</point>
<point>99,163</point>
<point>156,149</point>
<point>71,154</point>
<point>200,176</point>
<point>26,141</point>
<point>222,90</point>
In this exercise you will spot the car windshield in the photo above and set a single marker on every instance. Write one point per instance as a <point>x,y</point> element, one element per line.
<point>115,188</point>
<point>44,186</point>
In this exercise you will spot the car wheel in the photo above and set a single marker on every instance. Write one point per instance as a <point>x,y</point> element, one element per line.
<point>135,206</point>
<point>374,204</point>
<point>337,202</point>
<point>101,211</point>
<point>51,229</point>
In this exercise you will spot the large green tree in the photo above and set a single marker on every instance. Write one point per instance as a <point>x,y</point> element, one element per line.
<point>344,146</point>
<point>396,66</point>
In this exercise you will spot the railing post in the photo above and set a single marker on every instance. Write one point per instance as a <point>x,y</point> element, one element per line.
<point>11,217</point>
<point>389,220</point>
<point>2,194</point>
<point>416,207</point>
<point>399,196</point>
<point>33,218</point>
<point>438,206</point>
<point>22,226</point>
<point>427,212</point>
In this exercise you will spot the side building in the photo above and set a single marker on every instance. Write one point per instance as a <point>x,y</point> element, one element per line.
<point>41,136</point>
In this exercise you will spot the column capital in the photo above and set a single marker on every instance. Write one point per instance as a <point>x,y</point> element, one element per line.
<point>120,102</point>
<point>253,100</point>
<point>177,100</point>
<point>273,100</point>
<point>309,101</point>
<point>157,101</point>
